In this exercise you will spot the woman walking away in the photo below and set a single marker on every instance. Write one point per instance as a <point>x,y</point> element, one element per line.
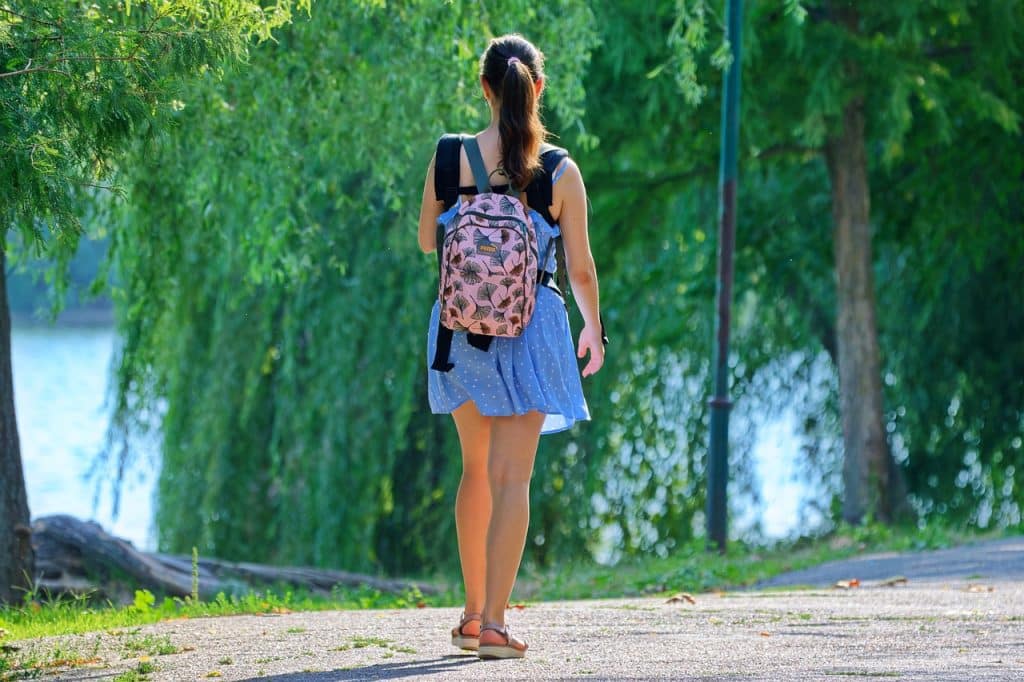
<point>501,356</point>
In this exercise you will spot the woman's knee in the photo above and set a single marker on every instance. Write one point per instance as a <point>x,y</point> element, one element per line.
<point>507,476</point>
<point>475,468</point>
<point>513,449</point>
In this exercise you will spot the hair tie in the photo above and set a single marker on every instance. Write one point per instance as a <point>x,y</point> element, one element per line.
<point>513,60</point>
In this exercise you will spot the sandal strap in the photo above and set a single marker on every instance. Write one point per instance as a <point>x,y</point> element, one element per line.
<point>466,618</point>
<point>504,633</point>
<point>497,628</point>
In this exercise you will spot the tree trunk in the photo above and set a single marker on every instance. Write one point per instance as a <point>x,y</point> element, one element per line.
<point>79,558</point>
<point>868,473</point>
<point>17,561</point>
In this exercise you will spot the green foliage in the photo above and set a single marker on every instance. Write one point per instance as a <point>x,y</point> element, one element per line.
<point>274,305</point>
<point>274,297</point>
<point>942,107</point>
<point>144,600</point>
<point>951,261</point>
<point>81,83</point>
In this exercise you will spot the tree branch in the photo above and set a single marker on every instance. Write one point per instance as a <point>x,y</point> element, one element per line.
<point>28,69</point>
<point>86,183</point>
<point>96,58</point>
<point>28,18</point>
<point>635,180</point>
<point>780,149</point>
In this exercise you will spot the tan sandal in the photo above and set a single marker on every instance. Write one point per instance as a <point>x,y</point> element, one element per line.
<point>510,648</point>
<point>460,638</point>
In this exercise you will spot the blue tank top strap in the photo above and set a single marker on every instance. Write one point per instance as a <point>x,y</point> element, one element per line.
<point>558,172</point>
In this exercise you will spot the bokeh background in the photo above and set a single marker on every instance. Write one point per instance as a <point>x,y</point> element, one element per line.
<point>240,361</point>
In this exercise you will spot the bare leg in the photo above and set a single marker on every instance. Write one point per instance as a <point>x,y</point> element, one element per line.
<point>473,505</point>
<point>510,467</point>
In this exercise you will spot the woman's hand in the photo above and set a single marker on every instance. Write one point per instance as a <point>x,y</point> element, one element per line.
<point>590,341</point>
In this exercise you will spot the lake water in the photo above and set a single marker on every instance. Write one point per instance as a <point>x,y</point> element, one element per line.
<point>60,382</point>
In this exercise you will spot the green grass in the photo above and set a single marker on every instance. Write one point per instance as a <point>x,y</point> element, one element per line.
<point>16,664</point>
<point>689,569</point>
<point>40,617</point>
<point>148,644</point>
<point>692,569</point>
<point>137,674</point>
<point>359,642</point>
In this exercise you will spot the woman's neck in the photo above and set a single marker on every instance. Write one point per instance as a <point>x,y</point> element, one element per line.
<point>495,119</point>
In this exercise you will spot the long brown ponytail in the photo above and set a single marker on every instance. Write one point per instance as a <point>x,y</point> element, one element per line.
<point>512,67</point>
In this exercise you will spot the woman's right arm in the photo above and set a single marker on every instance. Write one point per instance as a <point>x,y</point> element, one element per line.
<point>569,207</point>
<point>430,209</point>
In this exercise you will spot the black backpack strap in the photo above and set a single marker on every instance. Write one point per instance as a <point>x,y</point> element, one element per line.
<point>539,192</point>
<point>442,350</point>
<point>446,189</point>
<point>446,169</point>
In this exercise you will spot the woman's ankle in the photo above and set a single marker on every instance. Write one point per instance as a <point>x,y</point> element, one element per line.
<point>490,620</point>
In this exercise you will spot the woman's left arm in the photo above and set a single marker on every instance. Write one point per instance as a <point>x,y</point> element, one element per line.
<point>430,209</point>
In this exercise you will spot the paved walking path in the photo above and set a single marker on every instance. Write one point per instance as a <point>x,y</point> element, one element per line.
<point>958,616</point>
<point>1001,560</point>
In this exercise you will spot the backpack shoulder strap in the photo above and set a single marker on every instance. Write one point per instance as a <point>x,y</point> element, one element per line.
<point>539,192</point>
<point>446,169</point>
<point>476,163</point>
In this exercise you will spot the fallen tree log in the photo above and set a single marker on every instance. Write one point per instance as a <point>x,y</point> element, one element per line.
<point>77,557</point>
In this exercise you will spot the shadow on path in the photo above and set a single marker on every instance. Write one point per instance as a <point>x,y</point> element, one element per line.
<point>379,671</point>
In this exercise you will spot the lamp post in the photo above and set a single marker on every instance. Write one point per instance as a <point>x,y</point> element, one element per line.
<point>718,456</point>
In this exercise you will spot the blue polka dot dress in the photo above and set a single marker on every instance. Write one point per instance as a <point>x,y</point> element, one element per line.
<point>534,371</point>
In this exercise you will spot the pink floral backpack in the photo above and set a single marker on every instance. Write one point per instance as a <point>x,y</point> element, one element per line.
<point>488,265</point>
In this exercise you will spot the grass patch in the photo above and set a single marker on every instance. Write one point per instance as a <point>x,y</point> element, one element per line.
<point>137,674</point>
<point>359,642</point>
<point>22,664</point>
<point>693,569</point>
<point>148,644</point>
<point>689,569</point>
<point>40,616</point>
